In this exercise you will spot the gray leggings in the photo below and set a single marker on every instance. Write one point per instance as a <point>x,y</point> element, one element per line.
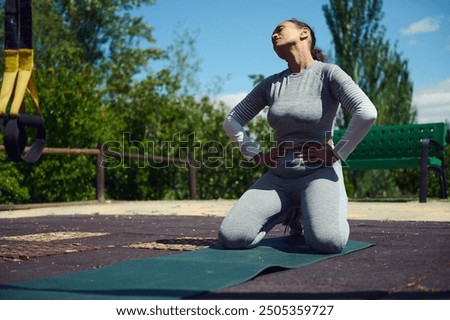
<point>318,192</point>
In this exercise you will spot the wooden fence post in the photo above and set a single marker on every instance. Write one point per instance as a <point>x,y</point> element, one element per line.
<point>100,173</point>
<point>192,176</point>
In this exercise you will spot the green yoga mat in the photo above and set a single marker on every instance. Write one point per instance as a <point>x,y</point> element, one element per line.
<point>175,276</point>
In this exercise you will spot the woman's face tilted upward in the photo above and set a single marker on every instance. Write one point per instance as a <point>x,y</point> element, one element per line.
<point>287,34</point>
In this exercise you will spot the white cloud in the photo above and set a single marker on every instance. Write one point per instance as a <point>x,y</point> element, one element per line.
<point>425,25</point>
<point>433,102</point>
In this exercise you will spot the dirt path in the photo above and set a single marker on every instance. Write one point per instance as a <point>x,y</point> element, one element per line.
<point>433,210</point>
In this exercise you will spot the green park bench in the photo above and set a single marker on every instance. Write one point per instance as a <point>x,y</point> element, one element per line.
<point>402,146</point>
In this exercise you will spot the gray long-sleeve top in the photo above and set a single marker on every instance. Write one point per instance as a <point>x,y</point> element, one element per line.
<point>303,107</point>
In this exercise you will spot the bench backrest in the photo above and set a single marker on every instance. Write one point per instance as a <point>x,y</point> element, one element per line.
<point>397,141</point>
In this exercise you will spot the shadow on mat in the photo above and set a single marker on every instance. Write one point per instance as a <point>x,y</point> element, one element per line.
<point>287,244</point>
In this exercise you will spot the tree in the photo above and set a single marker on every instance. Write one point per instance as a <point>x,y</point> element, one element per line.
<point>87,54</point>
<point>361,49</point>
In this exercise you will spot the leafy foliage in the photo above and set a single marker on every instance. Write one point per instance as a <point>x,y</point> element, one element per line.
<point>362,51</point>
<point>86,57</point>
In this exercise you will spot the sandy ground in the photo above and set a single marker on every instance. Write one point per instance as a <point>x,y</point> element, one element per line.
<point>433,210</point>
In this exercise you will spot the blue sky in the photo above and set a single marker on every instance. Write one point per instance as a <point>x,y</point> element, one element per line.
<point>233,41</point>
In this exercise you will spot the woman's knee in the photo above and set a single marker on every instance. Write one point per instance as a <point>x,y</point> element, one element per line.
<point>233,239</point>
<point>327,243</point>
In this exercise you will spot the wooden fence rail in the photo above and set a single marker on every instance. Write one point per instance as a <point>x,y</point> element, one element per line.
<point>100,154</point>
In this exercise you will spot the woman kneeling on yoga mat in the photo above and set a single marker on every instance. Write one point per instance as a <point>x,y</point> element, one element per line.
<point>303,187</point>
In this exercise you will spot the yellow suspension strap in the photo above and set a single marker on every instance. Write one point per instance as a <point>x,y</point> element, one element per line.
<point>18,80</point>
<point>11,58</point>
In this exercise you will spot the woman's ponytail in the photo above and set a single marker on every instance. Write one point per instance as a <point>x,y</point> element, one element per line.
<point>317,54</point>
